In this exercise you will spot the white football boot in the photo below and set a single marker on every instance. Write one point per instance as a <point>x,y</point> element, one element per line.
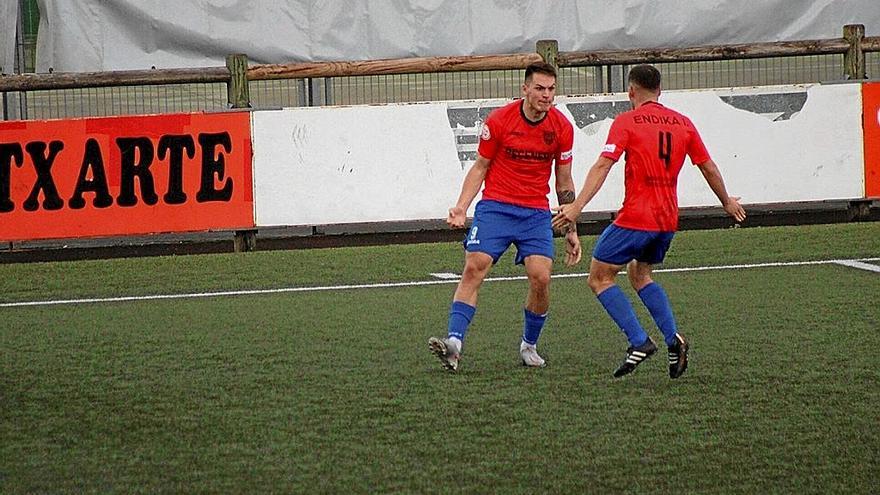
<point>448,351</point>
<point>530,357</point>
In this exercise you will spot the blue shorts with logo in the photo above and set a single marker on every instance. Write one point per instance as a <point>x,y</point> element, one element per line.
<point>619,245</point>
<point>497,225</point>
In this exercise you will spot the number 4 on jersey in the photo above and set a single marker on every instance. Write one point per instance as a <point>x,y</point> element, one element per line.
<point>664,146</point>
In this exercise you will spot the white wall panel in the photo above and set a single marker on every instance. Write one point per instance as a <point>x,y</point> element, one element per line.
<point>354,164</point>
<point>330,165</point>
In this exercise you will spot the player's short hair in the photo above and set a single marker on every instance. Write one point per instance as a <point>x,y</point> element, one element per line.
<point>540,68</point>
<point>645,76</point>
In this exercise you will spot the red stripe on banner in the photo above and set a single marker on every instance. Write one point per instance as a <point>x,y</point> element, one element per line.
<point>871,126</point>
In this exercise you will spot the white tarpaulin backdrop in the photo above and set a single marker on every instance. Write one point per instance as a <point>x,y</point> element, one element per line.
<point>93,35</point>
<point>8,20</point>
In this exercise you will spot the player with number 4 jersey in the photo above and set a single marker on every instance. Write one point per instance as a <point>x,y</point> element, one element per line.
<point>655,140</point>
<point>651,200</point>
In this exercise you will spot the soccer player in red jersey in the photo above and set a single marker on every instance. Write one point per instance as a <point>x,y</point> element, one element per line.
<point>519,145</point>
<point>655,140</point>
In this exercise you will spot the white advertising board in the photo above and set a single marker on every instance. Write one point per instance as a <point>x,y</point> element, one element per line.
<point>330,165</point>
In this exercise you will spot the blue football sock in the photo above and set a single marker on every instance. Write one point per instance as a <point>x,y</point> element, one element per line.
<point>460,316</point>
<point>657,303</point>
<point>622,312</point>
<point>532,326</point>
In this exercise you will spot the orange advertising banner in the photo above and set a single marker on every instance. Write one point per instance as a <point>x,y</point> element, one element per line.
<point>125,175</point>
<point>871,125</point>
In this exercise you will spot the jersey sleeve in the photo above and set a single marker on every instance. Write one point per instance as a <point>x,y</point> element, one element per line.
<point>566,143</point>
<point>618,137</point>
<point>696,150</point>
<point>489,138</point>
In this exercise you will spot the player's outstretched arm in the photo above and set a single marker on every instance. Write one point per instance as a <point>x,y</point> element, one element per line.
<point>716,183</point>
<point>568,213</point>
<point>469,189</point>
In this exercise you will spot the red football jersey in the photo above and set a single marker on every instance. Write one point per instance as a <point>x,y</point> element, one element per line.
<point>522,154</point>
<point>655,140</point>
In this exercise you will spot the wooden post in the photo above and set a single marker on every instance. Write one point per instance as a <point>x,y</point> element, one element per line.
<point>548,50</point>
<point>237,92</point>
<point>238,96</point>
<point>244,240</point>
<point>860,210</point>
<point>854,58</point>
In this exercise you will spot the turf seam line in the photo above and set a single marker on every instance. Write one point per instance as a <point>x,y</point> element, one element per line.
<point>194,295</point>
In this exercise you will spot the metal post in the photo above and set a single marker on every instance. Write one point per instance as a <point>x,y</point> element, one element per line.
<point>328,90</point>
<point>598,86</point>
<point>303,93</point>
<point>608,86</point>
<point>314,91</point>
<point>615,78</point>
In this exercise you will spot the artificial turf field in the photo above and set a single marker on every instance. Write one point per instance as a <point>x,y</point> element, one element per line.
<point>334,390</point>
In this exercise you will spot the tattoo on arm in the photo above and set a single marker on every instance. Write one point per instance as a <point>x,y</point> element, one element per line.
<point>566,197</point>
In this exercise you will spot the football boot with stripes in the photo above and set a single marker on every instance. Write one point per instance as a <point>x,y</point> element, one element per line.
<point>447,352</point>
<point>678,356</point>
<point>634,357</point>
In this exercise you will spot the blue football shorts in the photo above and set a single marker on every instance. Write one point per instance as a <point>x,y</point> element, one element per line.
<point>619,246</point>
<point>498,225</point>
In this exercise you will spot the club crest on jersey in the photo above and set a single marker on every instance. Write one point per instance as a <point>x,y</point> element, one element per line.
<point>485,135</point>
<point>549,137</point>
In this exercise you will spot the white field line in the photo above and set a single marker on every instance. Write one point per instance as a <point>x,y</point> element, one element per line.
<point>445,276</point>
<point>193,295</point>
<point>858,264</point>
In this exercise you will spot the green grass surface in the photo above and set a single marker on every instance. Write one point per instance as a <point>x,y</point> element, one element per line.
<point>335,391</point>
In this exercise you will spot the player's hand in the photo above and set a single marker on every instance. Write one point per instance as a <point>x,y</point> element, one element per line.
<point>456,217</point>
<point>572,248</point>
<point>565,215</point>
<point>734,209</point>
